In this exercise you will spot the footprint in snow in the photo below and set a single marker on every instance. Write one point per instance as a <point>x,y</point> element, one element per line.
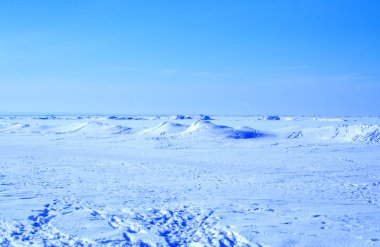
<point>75,223</point>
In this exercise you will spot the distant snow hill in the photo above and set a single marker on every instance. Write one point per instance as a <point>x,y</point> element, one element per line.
<point>202,129</point>
<point>308,131</point>
<point>165,128</point>
<point>91,127</point>
<point>208,129</point>
<point>362,133</point>
<point>196,117</point>
<point>13,128</point>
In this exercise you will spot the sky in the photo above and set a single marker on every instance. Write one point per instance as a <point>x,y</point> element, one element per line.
<point>241,57</point>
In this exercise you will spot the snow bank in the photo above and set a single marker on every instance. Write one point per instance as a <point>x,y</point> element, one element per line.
<point>119,118</point>
<point>165,128</point>
<point>361,133</point>
<point>329,119</point>
<point>14,128</point>
<point>202,117</point>
<point>207,129</point>
<point>201,129</point>
<point>92,127</point>
<point>46,118</point>
<point>179,117</point>
<point>272,118</point>
<point>356,133</point>
<point>195,117</point>
<point>124,118</point>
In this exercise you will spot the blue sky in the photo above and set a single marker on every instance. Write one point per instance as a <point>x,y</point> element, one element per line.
<point>201,56</point>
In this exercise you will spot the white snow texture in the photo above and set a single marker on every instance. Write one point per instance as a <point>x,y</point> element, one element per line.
<point>189,181</point>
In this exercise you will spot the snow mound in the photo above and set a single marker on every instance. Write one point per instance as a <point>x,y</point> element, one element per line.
<point>361,133</point>
<point>208,129</point>
<point>92,127</point>
<point>325,119</point>
<point>271,118</point>
<point>196,117</point>
<point>166,128</point>
<point>153,118</point>
<point>358,133</point>
<point>124,118</point>
<point>179,117</point>
<point>202,117</point>
<point>14,128</point>
<point>289,118</point>
<point>120,118</point>
<point>45,118</point>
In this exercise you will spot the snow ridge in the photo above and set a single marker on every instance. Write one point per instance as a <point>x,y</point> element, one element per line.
<point>207,129</point>
<point>360,133</point>
<point>165,128</point>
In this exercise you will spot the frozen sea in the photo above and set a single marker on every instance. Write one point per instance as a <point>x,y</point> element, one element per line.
<point>189,181</point>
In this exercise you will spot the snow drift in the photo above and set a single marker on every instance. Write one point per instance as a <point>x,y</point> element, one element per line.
<point>165,128</point>
<point>207,129</point>
<point>201,129</point>
<point>92,127</point>
<point>179,117</point>
<point>195,117</point>
<point>354,133</point>
<point>361,133</point>
<point>14,128</point>
<point>202,117</point>
<point>272,118</point>
<point>124,118</point>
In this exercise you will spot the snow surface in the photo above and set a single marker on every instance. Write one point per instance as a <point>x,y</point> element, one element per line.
<point>189,181</point>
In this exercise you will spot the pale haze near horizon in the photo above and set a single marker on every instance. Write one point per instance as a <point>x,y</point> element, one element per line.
<point>171,57</point>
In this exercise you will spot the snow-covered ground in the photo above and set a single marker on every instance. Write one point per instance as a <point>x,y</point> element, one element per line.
<point>189,181</point>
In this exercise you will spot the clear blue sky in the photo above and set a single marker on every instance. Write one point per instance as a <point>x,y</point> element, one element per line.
<point>199,56</point>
